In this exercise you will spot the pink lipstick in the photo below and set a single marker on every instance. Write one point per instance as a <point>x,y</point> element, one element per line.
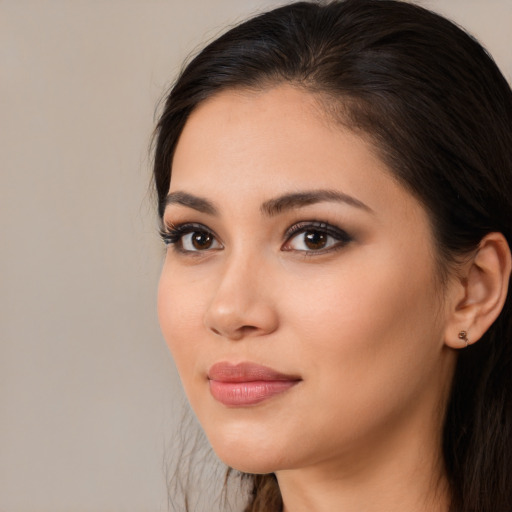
<point>247,384</point>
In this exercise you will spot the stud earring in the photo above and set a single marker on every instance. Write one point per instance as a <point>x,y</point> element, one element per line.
<point>463,335</point>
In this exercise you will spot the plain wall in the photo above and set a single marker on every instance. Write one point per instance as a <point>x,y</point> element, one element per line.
<point>89,396</point>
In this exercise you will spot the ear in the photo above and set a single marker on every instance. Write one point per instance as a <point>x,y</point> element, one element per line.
<point>478,293</point>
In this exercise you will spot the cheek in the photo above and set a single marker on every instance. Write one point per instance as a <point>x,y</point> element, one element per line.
<point>362,297</point>
<point>179,315</point>
<point>370,330</point>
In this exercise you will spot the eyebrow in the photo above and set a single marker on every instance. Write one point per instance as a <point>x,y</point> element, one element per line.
<point>190,201</point>
<point>271,207</point>
<point>300,199</point>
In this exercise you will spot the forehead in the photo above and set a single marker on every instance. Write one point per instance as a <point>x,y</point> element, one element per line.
<point>244,146</point>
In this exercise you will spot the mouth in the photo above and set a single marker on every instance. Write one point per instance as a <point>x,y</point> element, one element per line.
<point>246,384</point>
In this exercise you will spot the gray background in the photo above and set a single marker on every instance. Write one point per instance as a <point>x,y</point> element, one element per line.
<point>89,397</point>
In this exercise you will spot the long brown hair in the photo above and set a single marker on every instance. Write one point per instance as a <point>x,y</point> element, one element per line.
<point>439,111</point>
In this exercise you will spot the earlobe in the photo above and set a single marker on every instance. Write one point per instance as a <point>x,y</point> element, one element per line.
<point>481,292</point>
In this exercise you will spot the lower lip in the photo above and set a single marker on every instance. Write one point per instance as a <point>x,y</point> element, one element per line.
<point>239,394</point>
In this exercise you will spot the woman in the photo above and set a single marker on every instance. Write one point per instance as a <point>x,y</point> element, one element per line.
<point>334,185</point>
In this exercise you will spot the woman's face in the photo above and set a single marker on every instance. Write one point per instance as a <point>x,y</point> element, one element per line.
<point>299,295</point>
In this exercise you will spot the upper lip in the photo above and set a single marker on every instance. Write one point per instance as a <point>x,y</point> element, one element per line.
<point>246,372</point>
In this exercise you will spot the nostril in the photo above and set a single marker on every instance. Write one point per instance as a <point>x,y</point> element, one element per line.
<point>237,333</point>
<point>248,329</point>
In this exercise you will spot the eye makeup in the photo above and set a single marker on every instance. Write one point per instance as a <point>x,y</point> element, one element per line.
<point>318,237</point>
<point>190,237</point>
<point>312,237</point>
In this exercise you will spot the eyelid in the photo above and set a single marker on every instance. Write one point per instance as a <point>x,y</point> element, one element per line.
<point>336,233</point>
<point>172,235</point>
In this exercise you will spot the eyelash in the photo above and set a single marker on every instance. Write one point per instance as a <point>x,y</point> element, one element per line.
<point>173,236</point>
<point>341,237</point>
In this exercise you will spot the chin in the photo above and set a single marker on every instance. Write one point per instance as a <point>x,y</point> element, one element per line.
<point>254,464</point>
<point>247,454</point>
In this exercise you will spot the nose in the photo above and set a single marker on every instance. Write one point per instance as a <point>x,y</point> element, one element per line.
<point>241,305</point>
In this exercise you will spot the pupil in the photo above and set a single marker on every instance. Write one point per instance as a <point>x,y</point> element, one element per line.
<point>201,240</point>
<point>315,239</point>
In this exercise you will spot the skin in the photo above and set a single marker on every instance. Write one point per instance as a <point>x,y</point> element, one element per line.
<point>362,322</point>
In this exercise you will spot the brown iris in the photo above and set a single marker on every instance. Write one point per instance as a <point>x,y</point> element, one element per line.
<point>315,240</point>
<point>201,240</point>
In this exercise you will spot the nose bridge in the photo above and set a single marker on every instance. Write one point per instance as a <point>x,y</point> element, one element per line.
<point>240,304</point>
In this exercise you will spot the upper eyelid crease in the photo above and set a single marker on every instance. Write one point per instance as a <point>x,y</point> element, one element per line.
<point>316,225</point>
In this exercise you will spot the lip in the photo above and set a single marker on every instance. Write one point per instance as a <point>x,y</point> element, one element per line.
<point>246,384</point>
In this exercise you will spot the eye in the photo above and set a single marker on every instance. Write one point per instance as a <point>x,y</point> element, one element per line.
<point>199,241</point>
<point>315,237</point>
<point>190,238</point>
<point>311,241</point>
